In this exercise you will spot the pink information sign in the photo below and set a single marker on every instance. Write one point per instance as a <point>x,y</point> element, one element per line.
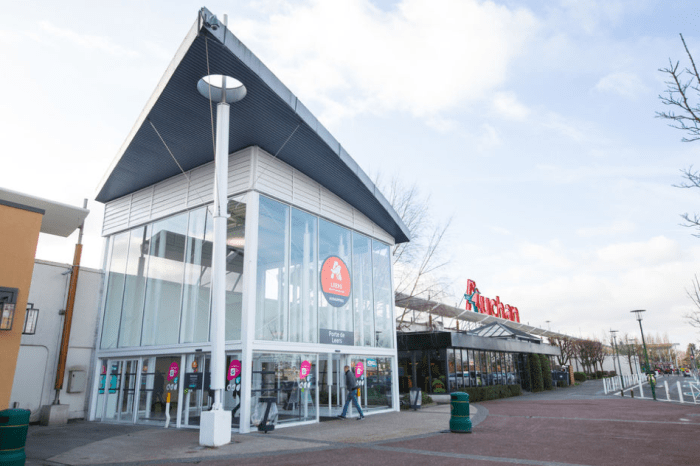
<point>173,371</point>
<point>234,369</point>
<point>304,370</point>
<point>359,369</point>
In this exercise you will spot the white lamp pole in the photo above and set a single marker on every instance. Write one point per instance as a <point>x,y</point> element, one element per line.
<point>215,425</point>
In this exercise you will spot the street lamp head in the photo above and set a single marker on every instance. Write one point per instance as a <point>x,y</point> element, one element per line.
<point>638,312</point>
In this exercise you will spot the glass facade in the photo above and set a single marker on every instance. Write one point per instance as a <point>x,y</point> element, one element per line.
<point>442,370</point>
<point>158,297</point>
<point>293,247</point>
<point>159,278</point>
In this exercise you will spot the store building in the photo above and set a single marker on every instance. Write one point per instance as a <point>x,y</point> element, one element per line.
<point>308,266</point>
<point>480,349</point>
<point>22,218</point>
<point>439,362</point>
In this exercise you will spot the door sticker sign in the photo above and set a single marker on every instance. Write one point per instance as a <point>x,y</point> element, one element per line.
<point>173,370</point>
<point>335,281</point>
<point>234,369</point>
<point>304,370</point>
<point>359,369</point>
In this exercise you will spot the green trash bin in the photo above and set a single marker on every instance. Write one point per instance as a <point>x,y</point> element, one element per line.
<point>14,424</point>
<point>459,420</point>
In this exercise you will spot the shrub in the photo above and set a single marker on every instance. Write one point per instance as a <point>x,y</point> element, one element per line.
<point>612,373</point>
<point>546,372</point>
<point>580,376</point>
<point>492,392</point>
<point>533,361</point>
<point>438,386</point>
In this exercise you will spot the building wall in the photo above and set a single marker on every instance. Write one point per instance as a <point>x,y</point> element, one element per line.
<point>38,354</point>
<point>19,234</point>
<point>250,168</point>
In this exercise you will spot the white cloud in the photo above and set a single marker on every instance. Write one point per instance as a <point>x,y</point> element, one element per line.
<point>507,105</point>
<point>616,228</point>
<point>86,41</point>
<point>422,57</point>
<point>487,139</point>
<point>624,84</point>
<point>658,250</point>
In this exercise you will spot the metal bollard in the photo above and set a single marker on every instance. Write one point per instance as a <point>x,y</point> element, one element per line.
<point>459,420</point>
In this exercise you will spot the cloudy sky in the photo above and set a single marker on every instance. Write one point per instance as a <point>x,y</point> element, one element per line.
<point>530,123</point>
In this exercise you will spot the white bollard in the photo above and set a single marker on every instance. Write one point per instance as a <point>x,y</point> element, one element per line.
<point>668,395</point>
<point>680,392</point>
<point>641,392</point>
<point>605,386</point>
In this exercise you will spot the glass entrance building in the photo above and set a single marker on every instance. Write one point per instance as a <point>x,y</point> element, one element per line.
<point>308,258</point>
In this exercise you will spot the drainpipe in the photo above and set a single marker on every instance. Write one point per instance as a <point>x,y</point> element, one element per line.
<point>68,318</point>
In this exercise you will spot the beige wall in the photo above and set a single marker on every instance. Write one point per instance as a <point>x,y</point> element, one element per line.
<point>19,234</point>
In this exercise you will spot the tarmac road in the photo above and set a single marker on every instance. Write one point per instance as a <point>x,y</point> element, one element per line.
<point>568,426</point>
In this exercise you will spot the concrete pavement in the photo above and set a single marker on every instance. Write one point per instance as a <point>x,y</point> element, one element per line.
<point>571,426</point>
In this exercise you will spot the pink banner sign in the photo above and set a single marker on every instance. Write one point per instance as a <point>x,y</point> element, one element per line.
<point>304,370</point>
<point>234,369</point>
<point>173,371</point>
<point>359,369</point>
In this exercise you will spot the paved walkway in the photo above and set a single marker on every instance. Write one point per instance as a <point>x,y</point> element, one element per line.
<point>570,426</point>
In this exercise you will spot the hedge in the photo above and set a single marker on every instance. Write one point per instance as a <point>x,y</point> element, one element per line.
<point>546,369</point>
<point>533,361</point>
<point>580,376</point>
<point>492,392</point>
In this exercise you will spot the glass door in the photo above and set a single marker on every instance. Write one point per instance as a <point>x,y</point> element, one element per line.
<point>160,381</point>
<point>117,389</point>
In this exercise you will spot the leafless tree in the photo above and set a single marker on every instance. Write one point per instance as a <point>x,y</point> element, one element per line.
<point>693,316</point>
<point>568,351</point>
<point>682,95</point>
<point>418,263</point>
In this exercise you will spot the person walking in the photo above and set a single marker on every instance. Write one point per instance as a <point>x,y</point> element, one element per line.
<point>351,386</point>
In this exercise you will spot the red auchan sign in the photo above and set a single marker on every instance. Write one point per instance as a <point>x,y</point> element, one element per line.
<point>492,307</point>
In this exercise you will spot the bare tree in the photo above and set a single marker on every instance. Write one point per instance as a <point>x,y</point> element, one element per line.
<point>682,95</point>
<point>567,347</point>
<point>418,263</point>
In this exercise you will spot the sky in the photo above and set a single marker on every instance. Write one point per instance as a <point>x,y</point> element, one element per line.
<point>531,124</point>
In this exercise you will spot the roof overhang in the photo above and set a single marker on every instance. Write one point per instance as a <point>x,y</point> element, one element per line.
<point>451,312</point>
<point>59,219</point>
<point>270,117</point>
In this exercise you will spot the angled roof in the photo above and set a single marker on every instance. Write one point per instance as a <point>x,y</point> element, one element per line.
<point>270,117</point>
<point>58,220</point>
<point>498,330</point>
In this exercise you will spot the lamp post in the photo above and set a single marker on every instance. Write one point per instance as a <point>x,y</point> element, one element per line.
<point>215,425</point>
<point>619,366</point>
<point>629,356</point>
<point>638,313</point>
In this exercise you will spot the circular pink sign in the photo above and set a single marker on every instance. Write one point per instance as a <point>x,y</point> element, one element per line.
<point>304,370</point>
<point>359,369</point>
<point>234,369</point>
<point>173,371</point>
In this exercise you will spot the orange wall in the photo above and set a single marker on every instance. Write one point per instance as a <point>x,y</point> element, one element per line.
<point>19,234</point>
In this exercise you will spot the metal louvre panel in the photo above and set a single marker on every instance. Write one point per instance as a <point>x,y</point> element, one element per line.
<point>307,193</point>
<point>116,214</point>
<point>141,202</point>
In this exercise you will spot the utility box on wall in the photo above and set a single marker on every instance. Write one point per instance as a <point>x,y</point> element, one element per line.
<point>76,381</point>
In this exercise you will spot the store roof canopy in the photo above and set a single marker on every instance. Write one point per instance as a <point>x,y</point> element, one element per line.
<point>445,310</point>
<point>59,219</point>
<point>270,117</point>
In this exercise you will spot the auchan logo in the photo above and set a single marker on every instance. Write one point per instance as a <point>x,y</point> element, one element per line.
<point>492,307</point>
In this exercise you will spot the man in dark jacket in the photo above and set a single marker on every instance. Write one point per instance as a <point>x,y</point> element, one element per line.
<point>351,386</point>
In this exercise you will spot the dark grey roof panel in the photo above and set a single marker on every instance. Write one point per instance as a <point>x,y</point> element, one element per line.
<point>267,117</point>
